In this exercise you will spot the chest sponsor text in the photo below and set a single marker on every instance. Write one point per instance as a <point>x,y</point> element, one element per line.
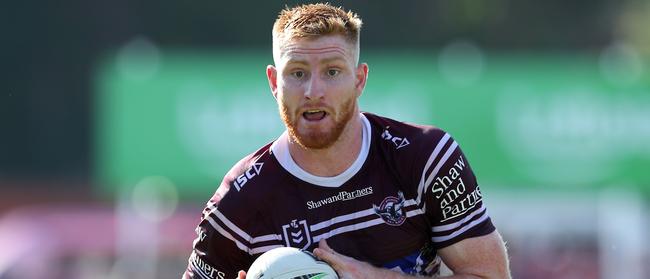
<point>341,196</point>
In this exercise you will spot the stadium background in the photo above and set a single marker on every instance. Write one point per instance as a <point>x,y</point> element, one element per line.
<point>119,119</point>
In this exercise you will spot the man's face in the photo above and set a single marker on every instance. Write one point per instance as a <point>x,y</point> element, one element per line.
<point>316,84</point>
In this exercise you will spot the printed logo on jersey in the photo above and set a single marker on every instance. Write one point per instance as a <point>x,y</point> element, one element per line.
<point>455,197</point>
<point>203,269</point>
<point>341,196</point>
<point>391,210</point>
<point>251,172</point>
<point>296,234</point>
<point>397,141</point>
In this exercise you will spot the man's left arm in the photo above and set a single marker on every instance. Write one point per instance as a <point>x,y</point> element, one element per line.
<point>476,257</point>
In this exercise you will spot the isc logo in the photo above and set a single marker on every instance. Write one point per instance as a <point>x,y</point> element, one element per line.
<point>397,141</point>
<point>251,172</point>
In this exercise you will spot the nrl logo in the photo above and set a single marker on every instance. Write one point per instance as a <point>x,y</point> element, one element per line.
<point>391,210</point>
<point>296,234</point>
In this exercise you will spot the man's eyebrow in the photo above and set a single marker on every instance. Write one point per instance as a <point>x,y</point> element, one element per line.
<point>297,61</point>
<point>333,59</point>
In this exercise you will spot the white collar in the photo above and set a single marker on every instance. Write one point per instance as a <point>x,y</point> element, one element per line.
<point>280,149</point>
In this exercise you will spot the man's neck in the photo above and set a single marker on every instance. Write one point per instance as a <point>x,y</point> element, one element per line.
<point>334,160</point>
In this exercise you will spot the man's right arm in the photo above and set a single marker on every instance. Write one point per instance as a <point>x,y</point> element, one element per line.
<point>215,253</point>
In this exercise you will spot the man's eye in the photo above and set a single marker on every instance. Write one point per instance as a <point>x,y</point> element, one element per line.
<point>332,72</point>
<point>298,74</point>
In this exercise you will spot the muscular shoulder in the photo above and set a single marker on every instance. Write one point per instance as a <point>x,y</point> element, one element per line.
<point>405,141</point>
<point>400,135</point>
<point>405,147</point>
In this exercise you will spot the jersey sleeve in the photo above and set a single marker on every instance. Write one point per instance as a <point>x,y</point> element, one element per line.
<point>219,250</point>
<point>449,190</point>
<point>231,233</point>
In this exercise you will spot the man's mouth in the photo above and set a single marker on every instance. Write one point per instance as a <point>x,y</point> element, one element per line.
<point>314,114</point>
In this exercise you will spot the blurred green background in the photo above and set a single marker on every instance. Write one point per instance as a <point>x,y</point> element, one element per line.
<point>120,118</point>
<point>549,121</point>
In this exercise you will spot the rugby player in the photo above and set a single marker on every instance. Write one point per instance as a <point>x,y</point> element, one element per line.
<point>372,196</point>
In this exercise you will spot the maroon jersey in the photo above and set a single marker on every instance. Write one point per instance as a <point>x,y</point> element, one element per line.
<point>409,193</point>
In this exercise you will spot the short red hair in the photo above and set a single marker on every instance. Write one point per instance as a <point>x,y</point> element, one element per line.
<point>316,20</point>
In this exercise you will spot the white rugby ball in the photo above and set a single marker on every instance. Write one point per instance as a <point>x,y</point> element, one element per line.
<point>289,263</point>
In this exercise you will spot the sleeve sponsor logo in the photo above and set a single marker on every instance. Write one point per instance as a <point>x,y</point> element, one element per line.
<point>397,141</point>
<point>449,188</point>
<point>203,269</point>
<point>341,196</point>
<point>251,172</point>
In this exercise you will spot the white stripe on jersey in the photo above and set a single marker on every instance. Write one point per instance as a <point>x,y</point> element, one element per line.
<point>359,214</point>
<point>195,268</point>
<point>230,225</point>
<point>414,212</point>
<point>362,225</point>
<point>260,250</point>
<point>435,171</point>
<point>267,237</point>
<point>223,232</point>
<point>413,202</point>
<point>457,224</point>
<point>211,206</point>
<point>349,228</point>
<point>460,231</point>
<point>433,156</point>
<point>342,218</point>
<point>240,245</point>
<point>318,226</point>
<point>355,215</point>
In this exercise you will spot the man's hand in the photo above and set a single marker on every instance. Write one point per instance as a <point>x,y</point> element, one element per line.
<point>349,268</point>
<point>241,274</point>
<point>478,257</point>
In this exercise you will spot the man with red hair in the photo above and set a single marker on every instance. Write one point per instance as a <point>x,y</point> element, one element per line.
<point>372,196</point>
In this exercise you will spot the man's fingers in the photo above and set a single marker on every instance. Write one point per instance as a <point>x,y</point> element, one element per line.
<point>323,251</point>
<point>327,256</point>
<point>323,244</point>
<point>241,274</point>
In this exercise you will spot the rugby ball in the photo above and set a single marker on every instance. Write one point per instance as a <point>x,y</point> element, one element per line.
<point>289,263</point>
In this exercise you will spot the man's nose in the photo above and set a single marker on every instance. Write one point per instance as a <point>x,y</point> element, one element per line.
<point>315,88</point>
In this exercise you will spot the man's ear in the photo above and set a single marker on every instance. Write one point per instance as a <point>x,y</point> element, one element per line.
<point>272,76</point>
<point>361,76</point>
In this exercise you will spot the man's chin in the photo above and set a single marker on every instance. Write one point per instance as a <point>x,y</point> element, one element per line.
<point>315,141</point>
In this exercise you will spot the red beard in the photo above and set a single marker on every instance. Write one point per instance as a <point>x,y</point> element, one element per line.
<point>316,139</point>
